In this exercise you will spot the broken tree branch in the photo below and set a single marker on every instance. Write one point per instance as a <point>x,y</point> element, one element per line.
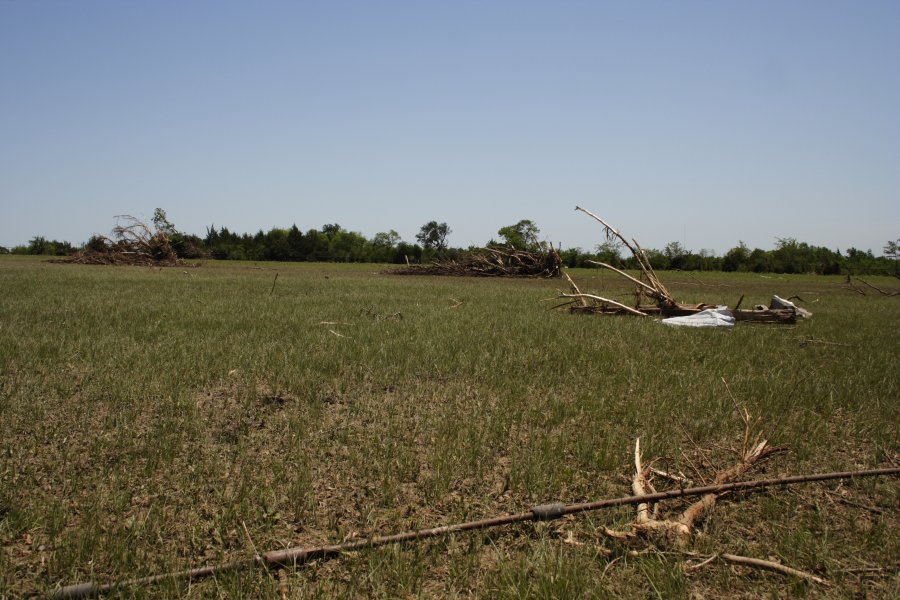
<point>771,566</point>
<point>647,287</point>
<point>582,299</point>
<point>633,311</point>
<point>877,289</point>
<point>658,290</point>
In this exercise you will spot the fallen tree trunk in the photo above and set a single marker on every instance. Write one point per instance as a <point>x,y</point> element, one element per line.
<point>781,316</point>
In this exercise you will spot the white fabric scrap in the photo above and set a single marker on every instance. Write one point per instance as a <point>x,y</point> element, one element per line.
<point>711,317</point>
<point>778,302</point>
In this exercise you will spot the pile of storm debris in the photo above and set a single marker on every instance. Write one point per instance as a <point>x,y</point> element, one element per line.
<point>133,243</point>
<point>493,262</point>
<point>654,300</point>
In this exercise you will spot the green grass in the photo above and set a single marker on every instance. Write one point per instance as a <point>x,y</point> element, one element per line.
<point>148,415</point>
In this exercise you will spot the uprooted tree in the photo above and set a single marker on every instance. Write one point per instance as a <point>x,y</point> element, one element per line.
<point>652,298</point>
<point>132,242</point>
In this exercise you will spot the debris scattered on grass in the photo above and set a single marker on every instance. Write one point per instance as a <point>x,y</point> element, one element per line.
<point>379,316</point>
<point>849,285</point>
<point>652,298</point>
<point>493,262</point>
<point>811,340</point>
<point>711,317</point>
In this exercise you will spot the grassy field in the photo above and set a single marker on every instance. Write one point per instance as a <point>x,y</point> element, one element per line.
<point>147,416</point>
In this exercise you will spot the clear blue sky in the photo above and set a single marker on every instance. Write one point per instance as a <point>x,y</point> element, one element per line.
<point>699,122</point>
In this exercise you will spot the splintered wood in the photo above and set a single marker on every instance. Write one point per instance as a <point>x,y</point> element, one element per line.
<point>678,530</point>
<point>653,288</point>
<point>652,298</point>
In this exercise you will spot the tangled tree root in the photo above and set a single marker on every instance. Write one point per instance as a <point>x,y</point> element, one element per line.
<point>678,530</point>
<point>133,243</point>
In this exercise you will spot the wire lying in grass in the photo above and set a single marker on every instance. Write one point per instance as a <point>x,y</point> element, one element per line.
<point>294,557</point>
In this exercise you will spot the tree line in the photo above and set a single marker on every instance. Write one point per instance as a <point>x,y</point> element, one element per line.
<point>333,243</point>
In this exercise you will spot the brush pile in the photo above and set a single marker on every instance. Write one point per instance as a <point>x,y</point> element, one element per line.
<point>493,262</point>
<point>133,242</point>
<point>653,299</point>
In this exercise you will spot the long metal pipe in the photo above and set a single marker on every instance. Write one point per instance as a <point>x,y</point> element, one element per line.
<point>299,555</point>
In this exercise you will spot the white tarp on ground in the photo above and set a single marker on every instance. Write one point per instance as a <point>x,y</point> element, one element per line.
<point>778,302</point>
<point>711,317</point>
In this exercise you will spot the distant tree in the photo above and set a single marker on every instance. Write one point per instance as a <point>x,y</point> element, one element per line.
<point>570,257</point>
<point>407,252</point>
<point>674,250</point>
<point>678,256</point>
<point>737,258</point>
<point>759,261</point>
<point>521,236</point>
<point>433,236</point>
<point>863,261</point>
<point>39,245</point>
<point>892,251</point>
<point>787,256</point>
<point>331,229</point>
<point>707,260</point>
<point>162,223</point>
<point>383,247</point>
<point>185,245</point>
<point>658,260</point>
<point>225,245</point>
<point>347,246</point>
<point>4,250</point>
<point>610,252</point>
<point>387,239</point>
<point>316,243</point>
<point>295,243</point>
<point>42,246</point>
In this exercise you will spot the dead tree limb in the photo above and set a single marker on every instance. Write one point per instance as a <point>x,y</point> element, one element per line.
<point>647,287</point>
<point>877,289</point>
<point>581,299</point>
<point>657,290</point>
<point>628,309</point>
<point>771,566</point>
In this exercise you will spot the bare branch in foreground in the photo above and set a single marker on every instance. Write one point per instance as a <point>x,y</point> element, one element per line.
<point>771,566</point>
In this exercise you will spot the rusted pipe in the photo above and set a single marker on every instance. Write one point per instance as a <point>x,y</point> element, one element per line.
<point>299,555</point>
